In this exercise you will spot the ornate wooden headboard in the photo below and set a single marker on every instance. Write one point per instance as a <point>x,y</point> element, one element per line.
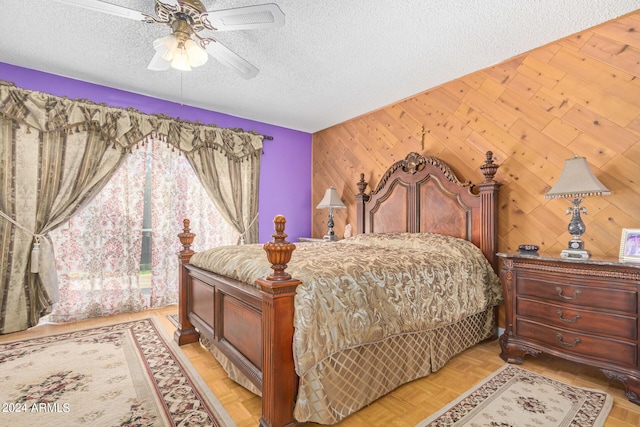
<point>422,194</point>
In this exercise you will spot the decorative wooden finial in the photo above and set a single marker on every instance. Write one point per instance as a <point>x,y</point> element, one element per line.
<point>186,237</point>
<point>279,251</point>
<point>411,163</point>
<point>489,168</point>
<point>362,184</point>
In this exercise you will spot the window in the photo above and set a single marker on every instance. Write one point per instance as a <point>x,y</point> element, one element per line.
<point>117,253</point>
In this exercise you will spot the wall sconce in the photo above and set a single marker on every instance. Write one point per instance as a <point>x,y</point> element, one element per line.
<point>576,181</point>
<point>331,201</point>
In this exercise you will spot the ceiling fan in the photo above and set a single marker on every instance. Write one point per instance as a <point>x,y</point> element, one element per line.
<point>184,47</point>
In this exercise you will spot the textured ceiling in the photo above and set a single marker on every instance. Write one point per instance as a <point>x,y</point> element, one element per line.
<point>332,60</point>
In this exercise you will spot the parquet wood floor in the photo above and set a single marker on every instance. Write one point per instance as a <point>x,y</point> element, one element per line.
<point>405,406</point>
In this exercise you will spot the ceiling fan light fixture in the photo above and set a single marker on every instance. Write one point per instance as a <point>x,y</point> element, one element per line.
<point>184,48</point>
<point>179,52</point>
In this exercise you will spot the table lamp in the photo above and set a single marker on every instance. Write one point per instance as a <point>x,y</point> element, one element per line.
<point>576,181</point>
<point>331,201</point>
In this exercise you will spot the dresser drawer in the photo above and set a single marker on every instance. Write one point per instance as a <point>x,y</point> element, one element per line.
<point>592,322</point>
<point>573,292</point>
<point>579,344</point>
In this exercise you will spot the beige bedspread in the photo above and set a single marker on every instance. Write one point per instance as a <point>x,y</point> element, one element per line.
<point>370,287</point>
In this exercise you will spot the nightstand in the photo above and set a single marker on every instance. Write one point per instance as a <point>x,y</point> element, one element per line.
<point>310,239</point>
<point>581,310</point>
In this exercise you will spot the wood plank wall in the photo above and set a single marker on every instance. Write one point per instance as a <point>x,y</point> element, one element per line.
<point>577,95</point>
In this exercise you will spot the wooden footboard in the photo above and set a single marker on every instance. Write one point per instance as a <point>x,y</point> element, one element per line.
<point>252,328</point>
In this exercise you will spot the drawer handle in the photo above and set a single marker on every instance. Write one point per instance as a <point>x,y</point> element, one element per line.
<point>575,318</point>
<point>568,344</point>
<point>575,294</point>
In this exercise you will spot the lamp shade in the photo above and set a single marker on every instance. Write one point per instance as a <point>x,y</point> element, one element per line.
<point>158,63</point>
<point>577,181</point>
<point>331,199</point>
<point>180,59</point>
<point>197,55</point>
<point>165,46</point>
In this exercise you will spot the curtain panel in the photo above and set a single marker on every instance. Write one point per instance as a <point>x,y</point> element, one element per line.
<point>99,251</point>
<point>56,154</point>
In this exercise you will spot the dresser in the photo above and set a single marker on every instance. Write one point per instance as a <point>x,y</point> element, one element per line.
<point>581,310</point>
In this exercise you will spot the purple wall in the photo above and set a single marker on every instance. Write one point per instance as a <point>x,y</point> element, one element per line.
<point>285,176</point>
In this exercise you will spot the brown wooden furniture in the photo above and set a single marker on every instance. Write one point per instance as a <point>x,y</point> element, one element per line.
<point>253,327</point>
<point>582,310</point>
<point>311,239</point>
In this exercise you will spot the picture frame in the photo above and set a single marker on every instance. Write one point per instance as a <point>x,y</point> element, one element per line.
<point>630,245</point>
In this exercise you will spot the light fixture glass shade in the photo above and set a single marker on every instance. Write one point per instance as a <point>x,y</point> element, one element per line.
<point>158,63</point>
<point>331,199</point>
<point>180,60</point>
<point>165,46</point>
<point>197,55</point>
<point>577,181</point>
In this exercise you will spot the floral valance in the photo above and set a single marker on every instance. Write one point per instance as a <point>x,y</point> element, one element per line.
<point>124,128</point>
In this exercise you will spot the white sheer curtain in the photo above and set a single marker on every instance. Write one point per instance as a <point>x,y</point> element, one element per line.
<point>98,251</point>
<point>177,194</point>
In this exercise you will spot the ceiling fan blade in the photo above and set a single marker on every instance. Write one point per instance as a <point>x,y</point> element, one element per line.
<point>104,7</point>
<point>229,58</point>
<point>266,15</point>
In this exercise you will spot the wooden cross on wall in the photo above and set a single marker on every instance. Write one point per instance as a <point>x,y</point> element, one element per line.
<point>422,134</point>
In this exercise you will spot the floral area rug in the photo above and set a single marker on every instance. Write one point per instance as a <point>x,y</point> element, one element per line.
<point>512,396</point>
<point>127,374</point>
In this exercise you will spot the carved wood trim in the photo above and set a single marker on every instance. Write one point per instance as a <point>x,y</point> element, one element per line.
<point>586,271</point>
<point>630,382</point>
<point>415,162</point>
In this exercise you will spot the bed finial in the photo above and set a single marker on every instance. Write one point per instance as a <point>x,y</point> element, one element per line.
<point>279,251</point>
<point>412,162</point>
<point>489,168</point>
<point>362,184</point>
<point>186,237</point>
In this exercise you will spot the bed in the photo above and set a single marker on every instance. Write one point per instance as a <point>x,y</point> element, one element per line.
<point>318,345</point>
